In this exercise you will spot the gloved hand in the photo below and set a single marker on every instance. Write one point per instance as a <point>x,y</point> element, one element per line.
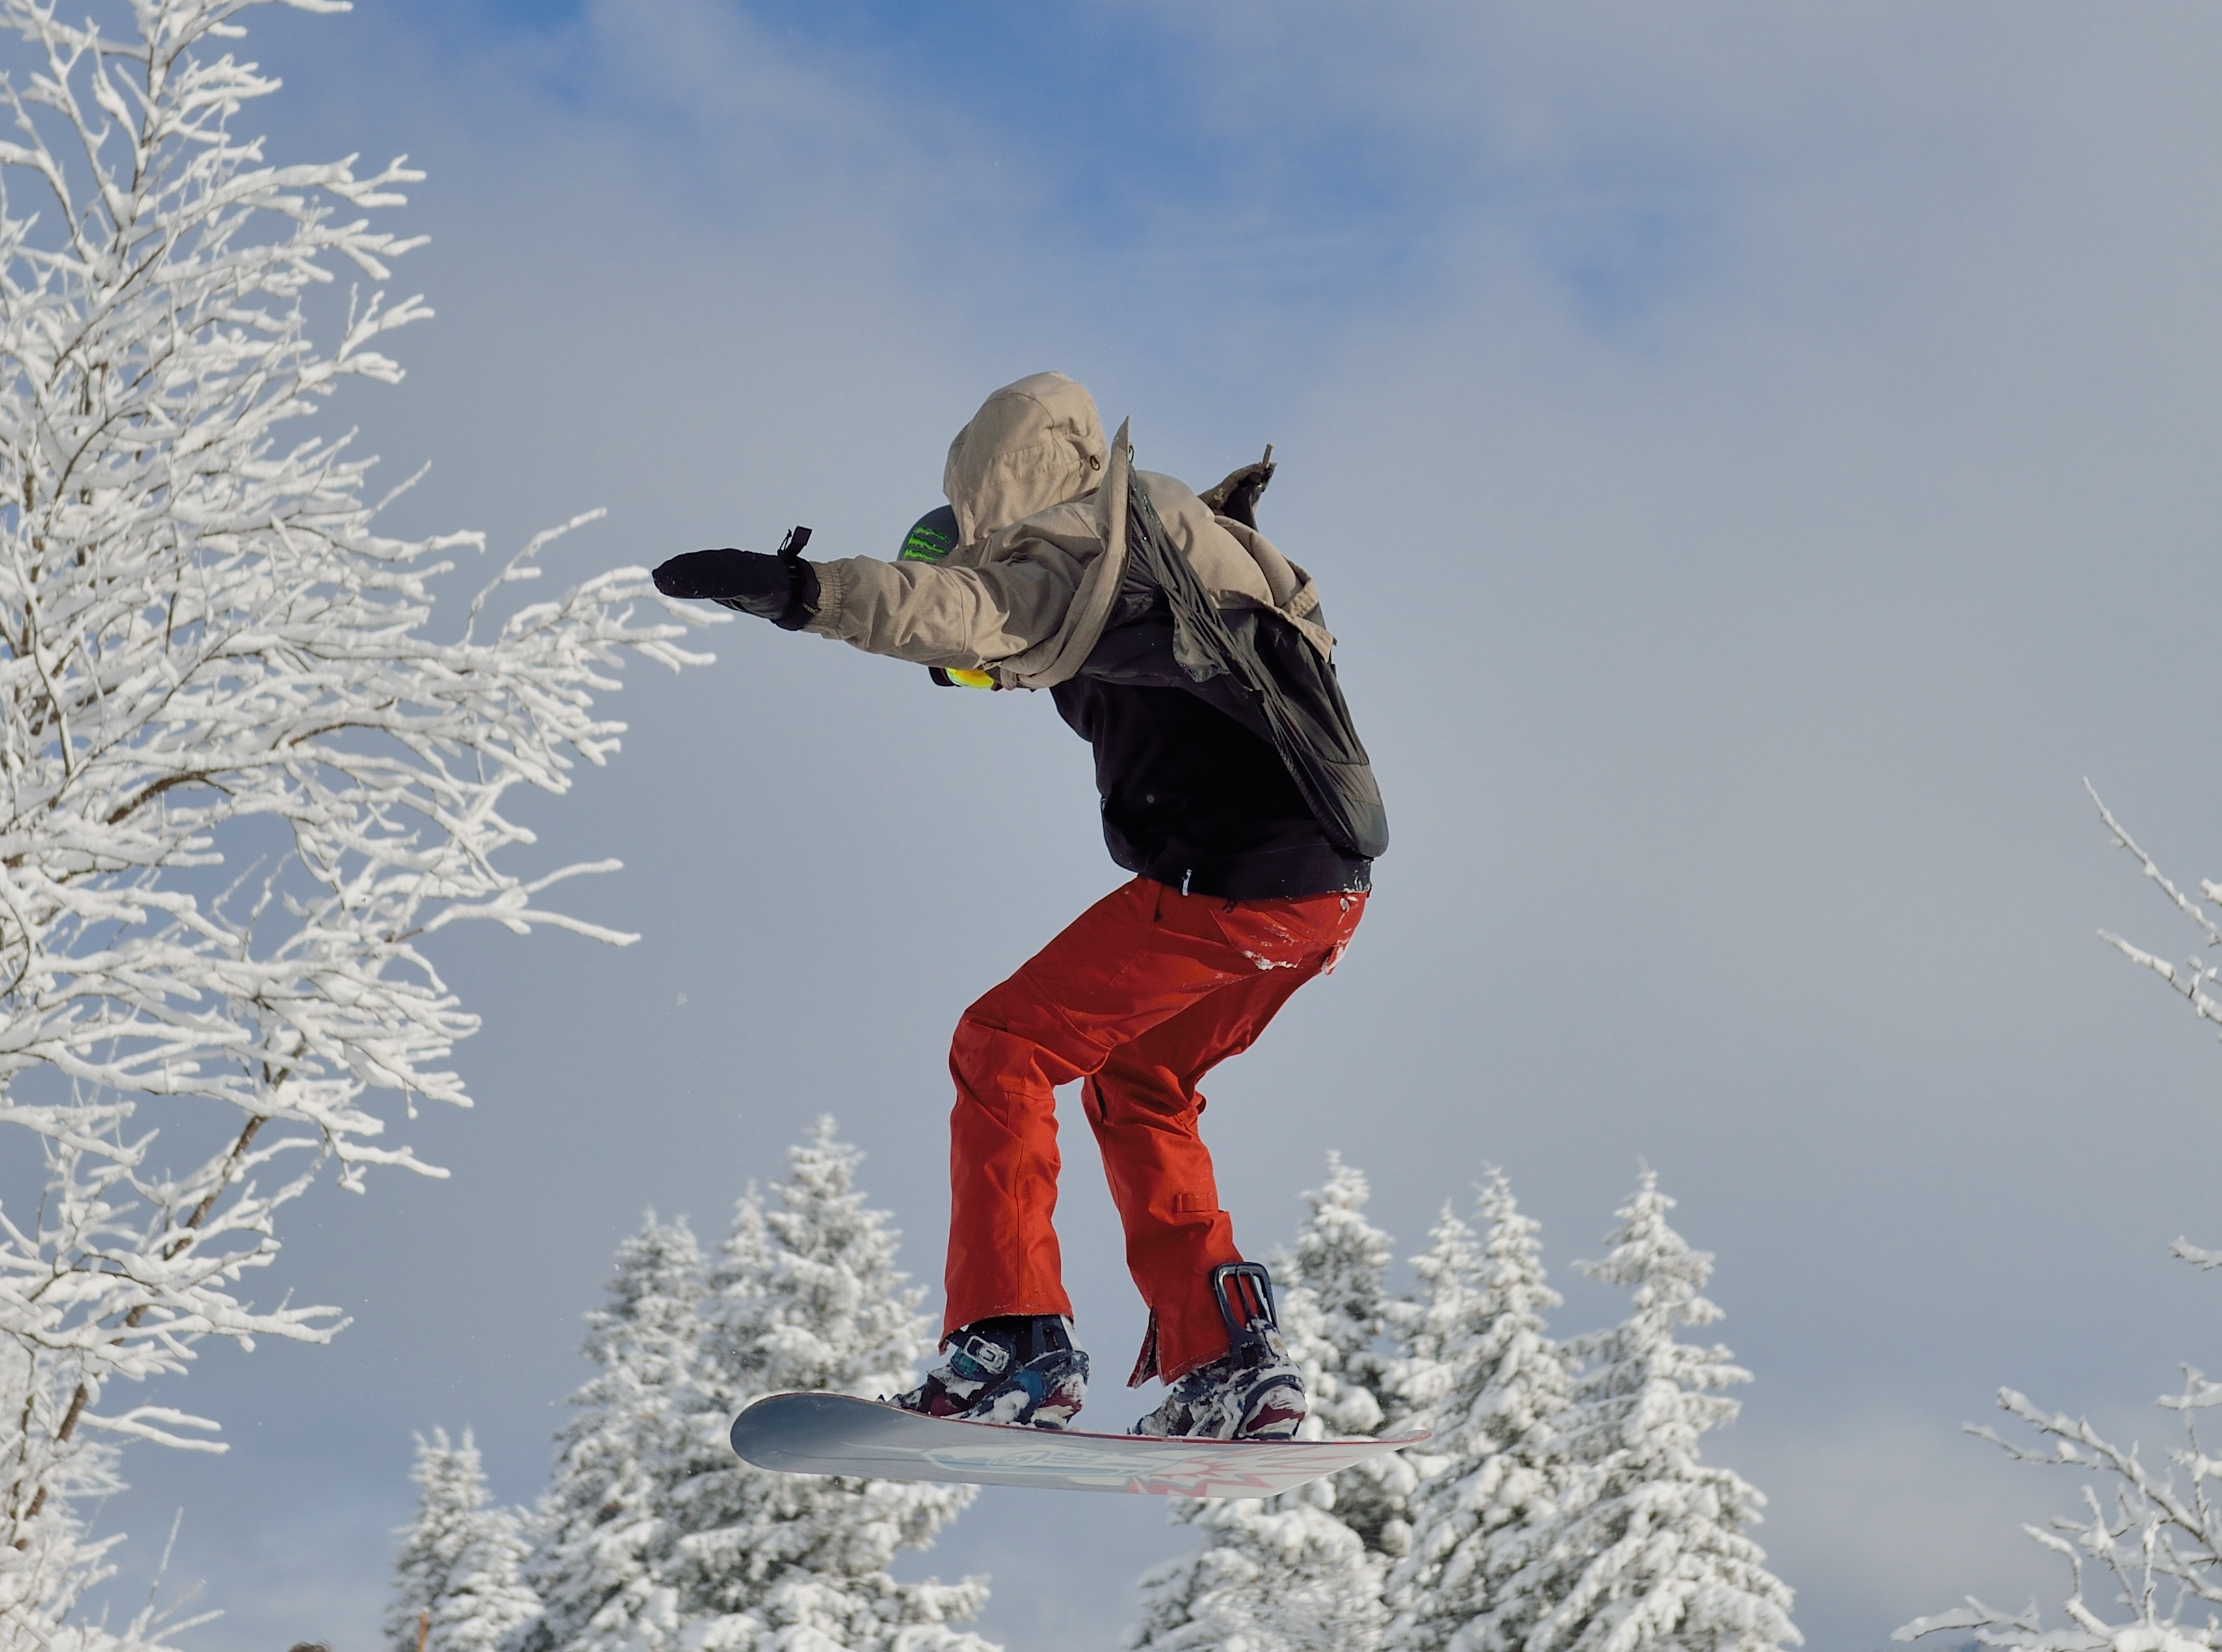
<point>782,589</point>
<point>1236,496</point>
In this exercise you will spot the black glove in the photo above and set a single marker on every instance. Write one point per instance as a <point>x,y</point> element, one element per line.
<point>782,589</point>
<point>1236,496</point>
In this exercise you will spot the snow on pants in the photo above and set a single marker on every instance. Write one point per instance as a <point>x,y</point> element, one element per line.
<point>1141,995</point>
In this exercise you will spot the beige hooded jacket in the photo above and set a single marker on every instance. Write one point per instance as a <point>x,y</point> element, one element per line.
<point>1041,518</point>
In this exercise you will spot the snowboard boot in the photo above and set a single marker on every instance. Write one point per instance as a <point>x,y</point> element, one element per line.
<point>1019,1369</point>
<point>1253,1391</point>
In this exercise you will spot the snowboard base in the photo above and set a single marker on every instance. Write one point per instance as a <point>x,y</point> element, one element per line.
<point>840,1434</point>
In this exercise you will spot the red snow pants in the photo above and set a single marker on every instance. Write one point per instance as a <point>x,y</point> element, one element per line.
<point>1140,996</point>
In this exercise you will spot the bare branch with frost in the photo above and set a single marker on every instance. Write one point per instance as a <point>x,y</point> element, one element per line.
<point>2144,1558</point>
<point>2190,978</point>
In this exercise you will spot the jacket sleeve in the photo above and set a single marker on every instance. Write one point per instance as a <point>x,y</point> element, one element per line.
<point>967,617</point>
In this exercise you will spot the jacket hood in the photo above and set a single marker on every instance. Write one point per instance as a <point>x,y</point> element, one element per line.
<point>1032,444</point>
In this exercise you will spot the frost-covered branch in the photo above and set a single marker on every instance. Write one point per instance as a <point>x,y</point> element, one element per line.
<point>2190,978</point>
<point>2144,1556</point>
<point>243,773</point>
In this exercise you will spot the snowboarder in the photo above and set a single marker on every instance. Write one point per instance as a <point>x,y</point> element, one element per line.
<point>1190,654</point>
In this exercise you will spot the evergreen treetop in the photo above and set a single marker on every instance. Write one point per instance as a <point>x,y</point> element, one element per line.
<point>806,1295</point>
<point>1335,1308</point>
<point>600,1532</point>
<point>1648,1549</point>
<point>456,1583</point>
<point>1487,1379</point>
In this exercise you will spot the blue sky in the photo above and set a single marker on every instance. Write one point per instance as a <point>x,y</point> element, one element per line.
<point>1756,459</point>
<point>1126,136</point>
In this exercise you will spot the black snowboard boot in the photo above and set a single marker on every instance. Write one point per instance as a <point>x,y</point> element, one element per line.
<point>1022,1370</point>
<point>1252,1392</point>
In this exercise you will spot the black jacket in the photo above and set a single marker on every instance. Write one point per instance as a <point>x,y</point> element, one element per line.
<point>1224,756</point>
<point>1192,798</point>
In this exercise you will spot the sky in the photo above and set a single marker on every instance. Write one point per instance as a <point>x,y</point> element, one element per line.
<point>1758,462</point>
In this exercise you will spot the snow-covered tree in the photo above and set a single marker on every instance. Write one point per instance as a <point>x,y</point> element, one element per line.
<point>2145,1555</point>
<point>1286,1578</point>
<point>59,1564</point>
<point>244,777</point>
<point>1648,1549</point>
<point>457,1585</point>
<point>1483,1374</point>
<point>805,1294</point>
<point>1335,1308</point>
<point>600,1536</point>
<point>488,1599</point>
<point>1304,1568</point>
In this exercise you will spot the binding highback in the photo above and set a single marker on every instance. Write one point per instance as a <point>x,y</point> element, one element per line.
<point>1244,1292</point>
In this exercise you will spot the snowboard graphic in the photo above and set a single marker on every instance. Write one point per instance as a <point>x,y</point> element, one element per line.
<point>839,1434</point>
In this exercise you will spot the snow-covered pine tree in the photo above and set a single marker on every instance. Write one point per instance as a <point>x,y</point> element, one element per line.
<point>244,778</point>
<point>1648,1549</point>
<point>450,1486</point>
<point>806,1294</point>
<point>1304,1568</point>
<point>1483,1373</point>
<point>488,1601</point>
<point>1336,1309</point>
<point>456,1582</point>
<point>601,1540</point>
<point>1288,1577</point>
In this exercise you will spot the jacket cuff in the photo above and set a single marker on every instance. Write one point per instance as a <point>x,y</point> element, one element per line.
<point>833,597</point>
<point>801,596</point>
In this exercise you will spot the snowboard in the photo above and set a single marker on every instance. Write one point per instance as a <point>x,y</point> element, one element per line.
<point>839,1434</point>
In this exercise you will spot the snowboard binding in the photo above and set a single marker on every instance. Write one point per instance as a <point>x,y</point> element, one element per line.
<point>1253,1391</point>
<point>1019,1370</point>
<point>1244,1292</point>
